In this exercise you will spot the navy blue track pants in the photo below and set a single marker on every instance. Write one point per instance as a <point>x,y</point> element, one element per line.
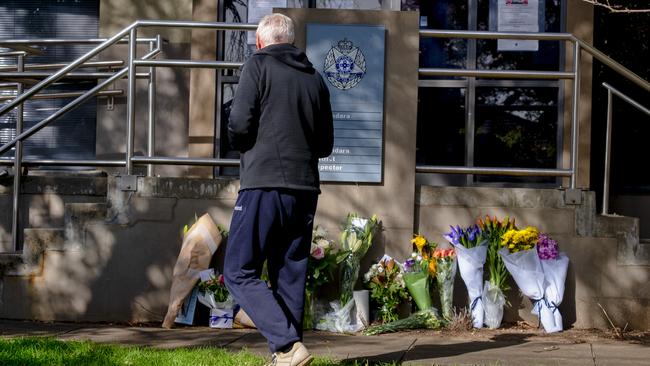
<point>273,225</point>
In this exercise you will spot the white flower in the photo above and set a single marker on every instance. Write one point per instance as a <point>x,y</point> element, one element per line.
<point>414,255</point>
<point>359,222</point>
<point>323,243</point>
<point>419,258</point>
<point>380,269</point>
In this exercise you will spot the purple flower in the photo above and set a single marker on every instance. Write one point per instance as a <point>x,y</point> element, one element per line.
<point>455,234</point>
<point>409,264</point>
<point>546,247</point>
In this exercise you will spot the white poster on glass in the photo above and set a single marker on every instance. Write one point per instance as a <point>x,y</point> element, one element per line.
<point>518,16</point>
<point>258,9</point>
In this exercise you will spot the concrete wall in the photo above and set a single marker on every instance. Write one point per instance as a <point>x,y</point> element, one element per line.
<point>112,260</point>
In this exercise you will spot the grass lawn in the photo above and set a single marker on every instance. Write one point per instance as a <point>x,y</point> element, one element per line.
<point>49,351</point>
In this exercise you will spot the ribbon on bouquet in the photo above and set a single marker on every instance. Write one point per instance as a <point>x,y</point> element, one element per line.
<point>475,303</point>
<point>225,317</point>
<point>537,306</point>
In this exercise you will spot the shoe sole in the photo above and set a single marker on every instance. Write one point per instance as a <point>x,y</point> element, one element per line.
<point>306,361</point>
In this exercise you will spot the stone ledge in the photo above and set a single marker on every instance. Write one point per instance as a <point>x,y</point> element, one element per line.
<point>62,185</point>
<point>489,197</point>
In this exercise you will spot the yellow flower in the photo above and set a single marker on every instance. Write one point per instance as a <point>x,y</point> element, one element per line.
<point>432,268</point>
<point>419,242</point>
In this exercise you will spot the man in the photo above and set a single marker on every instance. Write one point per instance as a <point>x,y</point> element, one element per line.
<point>281,122</point>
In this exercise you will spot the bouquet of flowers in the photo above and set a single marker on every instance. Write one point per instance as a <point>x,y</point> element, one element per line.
<point>356,238</point>
<point>320,270</point>
<point>416,278</point>
<point>522,261</point>
<point>387,287</point>
<point>214,294</point>
<point>493,298</point>
<point>216,287</point>
<point>419,269</point>
<point>471,249</point>
<point>445,274</point>
<point>554,265</point>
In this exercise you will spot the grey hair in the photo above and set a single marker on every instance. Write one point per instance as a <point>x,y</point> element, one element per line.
<point>275,28</point>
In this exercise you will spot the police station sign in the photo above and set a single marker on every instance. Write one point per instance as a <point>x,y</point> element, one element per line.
<point>351,59</point>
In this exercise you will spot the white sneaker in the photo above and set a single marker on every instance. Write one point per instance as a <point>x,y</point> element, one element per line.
<point>298,355</point>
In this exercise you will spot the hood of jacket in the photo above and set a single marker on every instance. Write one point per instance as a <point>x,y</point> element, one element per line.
<point>288,54</point>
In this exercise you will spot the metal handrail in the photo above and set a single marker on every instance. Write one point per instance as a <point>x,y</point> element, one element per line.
<point>611,91</point>
<point>11,43</point>
<point>578,46</point>
<point>67,95</point>
<point>98,64</point>
<point>73,65</point>
<point>32,93</point>
<point>130,70</point>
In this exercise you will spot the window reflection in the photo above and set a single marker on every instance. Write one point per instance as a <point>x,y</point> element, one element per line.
<point>516,127</point>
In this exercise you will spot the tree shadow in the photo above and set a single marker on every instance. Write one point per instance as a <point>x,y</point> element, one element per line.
<point>433,351</point>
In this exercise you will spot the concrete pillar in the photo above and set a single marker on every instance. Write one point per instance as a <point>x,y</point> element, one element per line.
<point>580,22</point>
<point>203,88</point>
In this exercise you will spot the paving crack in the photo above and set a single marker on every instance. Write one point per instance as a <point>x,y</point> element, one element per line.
<point>593,354</point>
<point>408,349</point>
<point>234,340</point>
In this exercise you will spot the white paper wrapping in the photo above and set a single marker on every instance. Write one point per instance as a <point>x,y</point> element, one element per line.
<point>525,267</point>
<point>470,265</point>
<point>493,302</point>
<point>555,275</point>
<point>340,319</point>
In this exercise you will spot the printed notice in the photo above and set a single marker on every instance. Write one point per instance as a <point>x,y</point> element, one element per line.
<point>518,16</point>
<point>351,60</point>
<point>257,9</point>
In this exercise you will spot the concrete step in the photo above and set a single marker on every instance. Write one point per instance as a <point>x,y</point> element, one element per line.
<point>631,250</point>
<point>29,262</point>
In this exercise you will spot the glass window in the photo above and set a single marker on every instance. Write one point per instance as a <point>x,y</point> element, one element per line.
<point>517,128</point>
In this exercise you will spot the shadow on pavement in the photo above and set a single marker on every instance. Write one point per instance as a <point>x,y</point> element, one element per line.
<point>432,351</point>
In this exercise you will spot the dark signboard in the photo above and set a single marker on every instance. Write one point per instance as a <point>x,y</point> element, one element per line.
<point>351,60</point>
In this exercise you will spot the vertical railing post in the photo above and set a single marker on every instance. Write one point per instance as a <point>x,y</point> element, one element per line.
<point>608,152</point>
<point>130,111</point>
<point>575,113</point>
<point>151,128</point>
<point>18,158</point>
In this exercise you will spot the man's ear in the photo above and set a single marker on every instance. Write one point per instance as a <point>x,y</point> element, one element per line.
<point>258,42</point>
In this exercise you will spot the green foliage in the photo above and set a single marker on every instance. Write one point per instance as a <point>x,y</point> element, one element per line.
<point>49,351</point>
<point>493,230</point>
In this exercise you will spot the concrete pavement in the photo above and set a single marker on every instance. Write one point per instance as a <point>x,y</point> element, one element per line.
<point>484,347</point>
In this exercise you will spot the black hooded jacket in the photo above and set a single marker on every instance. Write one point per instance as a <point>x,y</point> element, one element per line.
<point>281,120</point>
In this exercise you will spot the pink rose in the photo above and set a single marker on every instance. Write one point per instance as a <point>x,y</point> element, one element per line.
<point>317,252</point>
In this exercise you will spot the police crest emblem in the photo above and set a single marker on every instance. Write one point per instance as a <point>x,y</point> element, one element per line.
<point>344,65</point>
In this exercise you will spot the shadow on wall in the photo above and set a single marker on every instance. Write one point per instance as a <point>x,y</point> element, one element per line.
<point>120,272</point>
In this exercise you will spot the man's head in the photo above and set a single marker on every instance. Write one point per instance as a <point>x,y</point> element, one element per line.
<point>274,28</point>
